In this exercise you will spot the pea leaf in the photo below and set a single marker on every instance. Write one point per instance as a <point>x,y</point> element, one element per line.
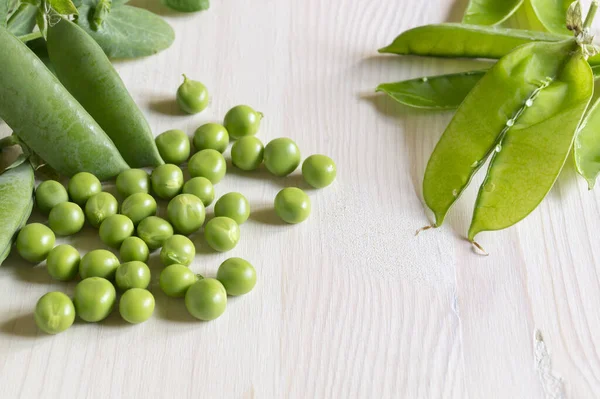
<point>63,7</point>
<point>490,12</point>
<point>128,32</point>
<point>23,20</point>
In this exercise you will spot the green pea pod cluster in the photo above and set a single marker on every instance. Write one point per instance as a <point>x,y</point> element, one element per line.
<point>88,75</point>
<point>48,119</point>
<point>16,202</point>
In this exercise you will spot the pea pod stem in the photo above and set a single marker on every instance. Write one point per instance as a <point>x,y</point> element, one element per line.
<point>591,14</point>
<point>30,36</point>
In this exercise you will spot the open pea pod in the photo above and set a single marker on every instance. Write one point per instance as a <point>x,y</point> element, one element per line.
<point>587,145</point>
<point>551,13</point>
<point>527,104</point>
<point>490,12</point>
<point>16,202</point>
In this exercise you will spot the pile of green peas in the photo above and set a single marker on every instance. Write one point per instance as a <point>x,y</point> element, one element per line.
<point>133,228</point>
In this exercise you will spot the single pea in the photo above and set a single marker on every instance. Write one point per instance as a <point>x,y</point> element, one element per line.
<point>237,276</point>
<point>233,205</point>
<point>186,213</point>
<point>167,180</point>
<point>82,186</point>
<point>133,181</point>
<point>281,156</point>
<point>99,207</point>
<point>154,231</point>
<point>202,188</point>
<point>134,248</point>
<point>138,206</point>
<point>192,96</point>
<point>211,136</point>
<point>115,229</point>
<point>175,280</point>
<point>54,313</point>
<point>173,146</point>
<point>206,299</point>
<point>292,205</point>
<point>177,249</point>
<point>94,299</point>
<point>209,164</point>
<point>66,219</point>
<point>136,305</point>
<point>34,242</point>
<point>63,262</point>
<point>134,274</point>
<point>241,121</point>
<point>247,153</point>
<point>319,170</point>
<point>98,263</point>
<point>222,233</point>
<point>49,194</point>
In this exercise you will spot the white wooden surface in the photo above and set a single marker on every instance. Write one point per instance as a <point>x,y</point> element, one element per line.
<point>349,303</point>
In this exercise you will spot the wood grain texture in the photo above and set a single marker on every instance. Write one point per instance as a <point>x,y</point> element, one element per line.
<point>349,304</point>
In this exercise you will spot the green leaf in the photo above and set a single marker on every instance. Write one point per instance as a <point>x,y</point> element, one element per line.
<point>128,32</point>
<point>490,12</point>
<point>63,7</point>
<point>23,20</point>
<point>187,5</point>
<point>552,14</point>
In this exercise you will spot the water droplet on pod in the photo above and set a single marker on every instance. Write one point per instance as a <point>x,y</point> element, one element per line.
<point>529,103</point>
<point>510,122</point>
<point>498,148</point>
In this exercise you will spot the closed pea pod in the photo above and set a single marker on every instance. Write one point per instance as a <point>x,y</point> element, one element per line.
<point>86,72</point>
<point>551,14</point>
<point>48,119</point>
<point>587,146</point>
<point>490,12</point>
<point>16,202</point>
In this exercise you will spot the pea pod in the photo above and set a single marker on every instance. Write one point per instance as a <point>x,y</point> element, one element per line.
<point>587,146</point>
<point>441,92</point>
<point>551,14</point>
<point>16,202</point>
<point>187,5</point>
<point>48,119</point>
<point>86,72</point>
<point>22,21</point>
<point>490,12</point>
<point>532,98</point>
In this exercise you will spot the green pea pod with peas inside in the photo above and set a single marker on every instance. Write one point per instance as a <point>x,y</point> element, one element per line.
<point>440,92</point>
<point>490,12</point>
<point>525,111</point>
<point>16,203</point>
<point>88,75</point>
<point>47,119</point>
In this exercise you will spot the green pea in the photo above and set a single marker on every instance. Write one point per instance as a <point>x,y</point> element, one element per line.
<point>63,262</point>
<point>241,121</point>
<point>292,205</point>
<point>136,305</point>
<point>209,164</point>
<point>99,207</point>
<point>237,276</point>
<point>49,194</point>
<point>192,96</point>
<point>134,274</point>
<point>66,219</point>
<point>167,180</point>
<point>186,213</point>
<point>82,186</point>
<point>319,170</point>
<point>54,313</point>
<point>115,229</point>
<point>177,249</point>
<point>138,206</point>
<point>206,299</point>
<point>282,156</point>
<point>176,279</point>
<point>154,231</point>
<point>134,248</point>
<point>247,153</point>
<point>133,181</point>
<point>202,188</point>
<point>94,299</point>
<point>222,233</point>
<point>233,205</point>
<point>98,263</point>
<point>211,136</point>
<point>34,242</point>
<point>173,146</point>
